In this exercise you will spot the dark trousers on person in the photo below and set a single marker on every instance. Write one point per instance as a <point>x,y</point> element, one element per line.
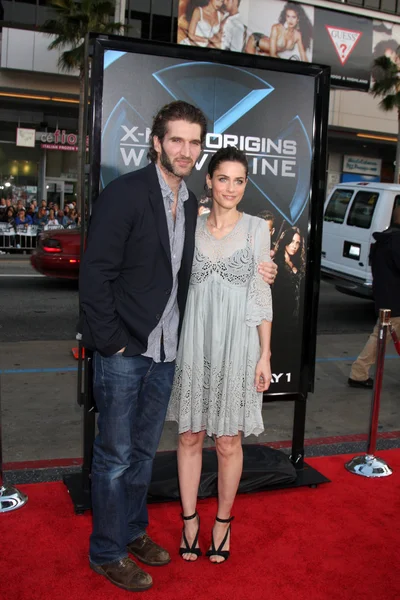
<point>131,395</point>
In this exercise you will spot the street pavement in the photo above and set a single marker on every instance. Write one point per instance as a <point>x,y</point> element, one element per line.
<point>41,420</point>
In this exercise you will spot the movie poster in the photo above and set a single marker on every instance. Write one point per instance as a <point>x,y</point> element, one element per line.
<point>269,115</point>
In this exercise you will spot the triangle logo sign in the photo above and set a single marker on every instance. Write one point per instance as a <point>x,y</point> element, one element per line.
<point>344,41</point>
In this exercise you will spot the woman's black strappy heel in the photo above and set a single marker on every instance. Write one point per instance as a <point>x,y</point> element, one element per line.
<point>190,549</point>
<point>219,552</point>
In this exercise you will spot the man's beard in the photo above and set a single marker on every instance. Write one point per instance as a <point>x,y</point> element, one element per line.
<point>168,166</point>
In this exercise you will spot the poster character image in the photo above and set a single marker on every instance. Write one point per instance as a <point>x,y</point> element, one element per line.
<point>290,256</point>
<point>270,116</point>
<point>269,28</point>
<point>285,30</point>
<point>269,217</point>
<point>200,22</point>
<point>385,42</point>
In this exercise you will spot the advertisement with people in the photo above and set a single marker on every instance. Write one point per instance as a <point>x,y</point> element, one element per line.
<point>274,28</point>
<point>386,41</point>
<point>279,29</point>
<point>265,113</point>
<point>285,30</point>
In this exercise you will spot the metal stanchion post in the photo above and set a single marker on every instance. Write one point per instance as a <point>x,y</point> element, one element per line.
<point>370,465</point>
<point>10,497</point>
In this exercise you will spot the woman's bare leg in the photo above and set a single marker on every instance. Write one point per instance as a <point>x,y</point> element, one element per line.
<point>190,447</point>
<point>264,45</point>
<point>250,46</point>
<point>230,467</point>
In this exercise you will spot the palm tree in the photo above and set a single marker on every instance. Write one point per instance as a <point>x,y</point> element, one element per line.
<point>387,86</point>
<point>73,21</point>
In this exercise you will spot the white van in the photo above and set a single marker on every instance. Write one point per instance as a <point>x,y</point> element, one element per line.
<point>353,212</point>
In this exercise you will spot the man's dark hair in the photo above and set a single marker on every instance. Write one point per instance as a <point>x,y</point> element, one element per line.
<point>267,215</point>
<point>192,5</point>
<point>175,111</point>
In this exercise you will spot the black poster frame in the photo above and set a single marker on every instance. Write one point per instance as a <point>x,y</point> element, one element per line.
<point>79,484</point>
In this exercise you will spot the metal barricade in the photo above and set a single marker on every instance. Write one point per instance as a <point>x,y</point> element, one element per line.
<point>7,237</point>
<point>370,465</point>
<point>26,237</point>
<point>52,227</point>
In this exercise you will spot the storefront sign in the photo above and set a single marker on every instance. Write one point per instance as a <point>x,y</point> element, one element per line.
<point>58,140</point>
<point>362,165</point>
<point>59,147</point>
<point>344,41</point>
<point>25,137</point>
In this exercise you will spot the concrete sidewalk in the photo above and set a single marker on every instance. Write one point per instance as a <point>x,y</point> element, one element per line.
<point>42,422</point>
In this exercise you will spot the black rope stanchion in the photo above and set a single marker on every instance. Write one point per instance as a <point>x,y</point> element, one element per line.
<point>10,497</point>
<point>370,465</point>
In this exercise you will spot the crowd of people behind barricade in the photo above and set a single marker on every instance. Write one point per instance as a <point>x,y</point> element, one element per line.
<point>20,225</point>
<point>45,216</point>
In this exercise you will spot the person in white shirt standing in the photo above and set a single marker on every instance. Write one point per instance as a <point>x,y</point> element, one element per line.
<point>234,33</point>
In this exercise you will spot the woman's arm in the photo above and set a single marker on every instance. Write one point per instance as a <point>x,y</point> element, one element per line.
<point>273,41</point>
<point>216,40</point>
<point>263,369</point>
<point>192,28</point>
<point>250,45</point>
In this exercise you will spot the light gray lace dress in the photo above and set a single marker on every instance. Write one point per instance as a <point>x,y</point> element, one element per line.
<point>219,346</point>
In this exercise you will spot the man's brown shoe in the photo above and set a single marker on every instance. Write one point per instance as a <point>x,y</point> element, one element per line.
<point>148,551</point>
<point>125,574</point>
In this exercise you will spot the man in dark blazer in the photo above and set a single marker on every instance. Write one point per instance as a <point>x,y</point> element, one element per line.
<point>385,266</point>
<point>134,281</point>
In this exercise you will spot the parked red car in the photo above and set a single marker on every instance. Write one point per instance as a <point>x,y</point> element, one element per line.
<point>57,253</point>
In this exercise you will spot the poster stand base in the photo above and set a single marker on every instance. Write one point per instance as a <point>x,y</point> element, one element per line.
<point>79,488</point>
<point>79,492</point>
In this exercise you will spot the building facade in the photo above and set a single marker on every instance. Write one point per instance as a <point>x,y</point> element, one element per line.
<point>36,95</point>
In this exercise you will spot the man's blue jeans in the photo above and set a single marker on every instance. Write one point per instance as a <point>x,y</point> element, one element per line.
<point>132,395</point>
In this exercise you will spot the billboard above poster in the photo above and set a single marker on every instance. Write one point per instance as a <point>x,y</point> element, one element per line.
<point>288,30</point>
<point>344,42</point>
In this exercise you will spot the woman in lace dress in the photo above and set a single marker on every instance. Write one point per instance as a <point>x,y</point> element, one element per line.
<point>223,360</point>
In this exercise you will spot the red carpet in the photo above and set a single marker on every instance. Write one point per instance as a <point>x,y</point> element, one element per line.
<point>337,542</point>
